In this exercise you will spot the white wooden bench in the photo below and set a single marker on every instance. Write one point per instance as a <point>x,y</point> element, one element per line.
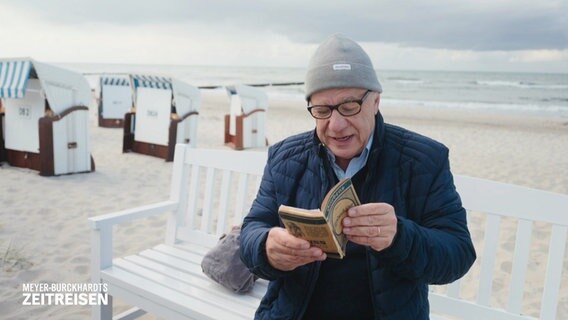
<point>525,215</point>
<point>213,189</point>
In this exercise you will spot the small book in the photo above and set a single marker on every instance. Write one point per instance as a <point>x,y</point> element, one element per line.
<point>323,227</point>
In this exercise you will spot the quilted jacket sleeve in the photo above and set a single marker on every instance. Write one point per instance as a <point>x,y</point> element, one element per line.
<point>261,218</point>
<point>432,244</point>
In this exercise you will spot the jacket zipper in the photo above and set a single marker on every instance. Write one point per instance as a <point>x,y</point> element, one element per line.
<point>314,270</point>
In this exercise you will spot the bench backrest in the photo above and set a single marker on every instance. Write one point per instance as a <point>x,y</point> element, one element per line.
<point>215,189</point>
<point>520,234</point>
<point>520,238</point>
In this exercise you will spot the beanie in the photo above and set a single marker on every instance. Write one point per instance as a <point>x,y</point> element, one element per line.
<point>340,62</point>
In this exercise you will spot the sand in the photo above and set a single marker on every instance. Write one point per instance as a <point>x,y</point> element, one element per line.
<point>45,235</point>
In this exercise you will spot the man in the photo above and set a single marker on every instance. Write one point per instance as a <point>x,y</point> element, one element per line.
<point>409,232</point>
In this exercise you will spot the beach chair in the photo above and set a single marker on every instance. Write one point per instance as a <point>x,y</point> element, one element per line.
<point>3,157</point>
<point>165,113</point>
<point>245,123</point>
<point>46,117</point>
<point>115,100</point>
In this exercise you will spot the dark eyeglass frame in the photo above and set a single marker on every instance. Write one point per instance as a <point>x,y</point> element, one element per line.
<point>338,106</point>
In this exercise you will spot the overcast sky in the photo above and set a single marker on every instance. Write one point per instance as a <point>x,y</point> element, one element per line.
<point>480,35</point>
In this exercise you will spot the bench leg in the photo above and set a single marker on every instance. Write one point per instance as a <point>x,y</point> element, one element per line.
<point>101,257</point>
<point>102,312</point>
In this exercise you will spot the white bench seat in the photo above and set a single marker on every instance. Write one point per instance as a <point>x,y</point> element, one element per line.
<point>175,271</point>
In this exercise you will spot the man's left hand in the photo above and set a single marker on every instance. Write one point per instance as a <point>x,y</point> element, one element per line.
<point>371,224</point>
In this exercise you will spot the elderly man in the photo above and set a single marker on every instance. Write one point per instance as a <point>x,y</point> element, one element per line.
<point>409,232</point>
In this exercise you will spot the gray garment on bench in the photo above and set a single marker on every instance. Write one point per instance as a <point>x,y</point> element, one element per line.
<point>223,264</point>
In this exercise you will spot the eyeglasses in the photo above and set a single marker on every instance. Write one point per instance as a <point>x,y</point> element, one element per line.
<point>346,109</point>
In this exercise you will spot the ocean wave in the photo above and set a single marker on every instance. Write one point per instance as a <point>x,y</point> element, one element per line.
<point>406,80</point>
<point>533,108</point>
<point>519,84</point>
<point>296,95</point>
<point>554,99</point>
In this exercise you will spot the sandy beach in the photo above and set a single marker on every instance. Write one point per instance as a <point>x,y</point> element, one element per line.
<point>45,236</point>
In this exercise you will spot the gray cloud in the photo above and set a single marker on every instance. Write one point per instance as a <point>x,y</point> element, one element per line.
<point>474,25</point>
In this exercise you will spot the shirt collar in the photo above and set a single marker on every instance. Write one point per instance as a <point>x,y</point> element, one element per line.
<point>356,164</point>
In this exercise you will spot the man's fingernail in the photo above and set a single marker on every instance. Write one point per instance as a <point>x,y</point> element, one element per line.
<point>346,221</point>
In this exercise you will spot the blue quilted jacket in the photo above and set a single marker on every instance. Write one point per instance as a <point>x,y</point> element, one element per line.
<point>408,171</point>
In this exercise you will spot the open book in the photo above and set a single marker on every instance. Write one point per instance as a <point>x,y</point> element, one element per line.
<point>323,228</point>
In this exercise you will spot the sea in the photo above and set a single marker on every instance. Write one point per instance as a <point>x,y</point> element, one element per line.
<point>542,94</point>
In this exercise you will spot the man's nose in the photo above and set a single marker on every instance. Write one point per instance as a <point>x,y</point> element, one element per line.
<point>337,122</point>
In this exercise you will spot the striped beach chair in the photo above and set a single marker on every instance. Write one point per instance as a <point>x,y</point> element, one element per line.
<point>165,113</point>
<point>45,119</point>
<point>115,100</point>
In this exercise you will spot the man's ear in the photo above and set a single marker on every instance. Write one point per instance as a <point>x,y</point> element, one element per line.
<point>377,103</point>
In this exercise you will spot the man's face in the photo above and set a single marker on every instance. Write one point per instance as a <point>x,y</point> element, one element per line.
<point>346,137</point>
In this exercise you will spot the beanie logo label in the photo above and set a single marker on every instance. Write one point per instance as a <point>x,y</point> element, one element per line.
<point>341,66</point>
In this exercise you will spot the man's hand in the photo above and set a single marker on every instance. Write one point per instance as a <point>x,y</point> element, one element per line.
<point>286,252</point>
<point>371,224</point>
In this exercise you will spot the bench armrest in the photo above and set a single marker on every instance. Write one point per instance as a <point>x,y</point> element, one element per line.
<point>101,232</point>
<point>108,220</point>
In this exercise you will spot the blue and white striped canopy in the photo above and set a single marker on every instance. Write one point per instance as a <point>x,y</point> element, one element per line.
<point>111,81</point>
<point>14,78</point>
<point>151,82</point>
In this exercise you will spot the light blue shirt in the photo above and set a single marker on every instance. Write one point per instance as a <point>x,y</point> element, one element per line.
<point>355,164</point>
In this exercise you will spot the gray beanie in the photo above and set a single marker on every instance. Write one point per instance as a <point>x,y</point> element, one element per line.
<point>340,62</point>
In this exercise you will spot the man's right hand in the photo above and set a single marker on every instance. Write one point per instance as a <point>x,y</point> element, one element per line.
<point>286,252</point>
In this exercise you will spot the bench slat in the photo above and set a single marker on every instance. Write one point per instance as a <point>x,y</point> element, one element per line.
<point>520,266</point>
<point>512,201</point>
<point>166,298</point>
<point>125,292</point>
<point>195,268</point>
<point>553,271</point>
<point>201,251</point>
<point>192,201</point>
<point>193,247</point>
<point>241,196</point>
<point>191,254</point>
<point>249,162</point>
<point>454,289</point>
<point>207,216</point>
<point>468,310</point>
<point>223,211</point>
<point>218,296</point>
<point>172,257</point>
<point>488,259</point>
<point>142,260</point>
<point>178,279</point>
<point>185,234</point>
